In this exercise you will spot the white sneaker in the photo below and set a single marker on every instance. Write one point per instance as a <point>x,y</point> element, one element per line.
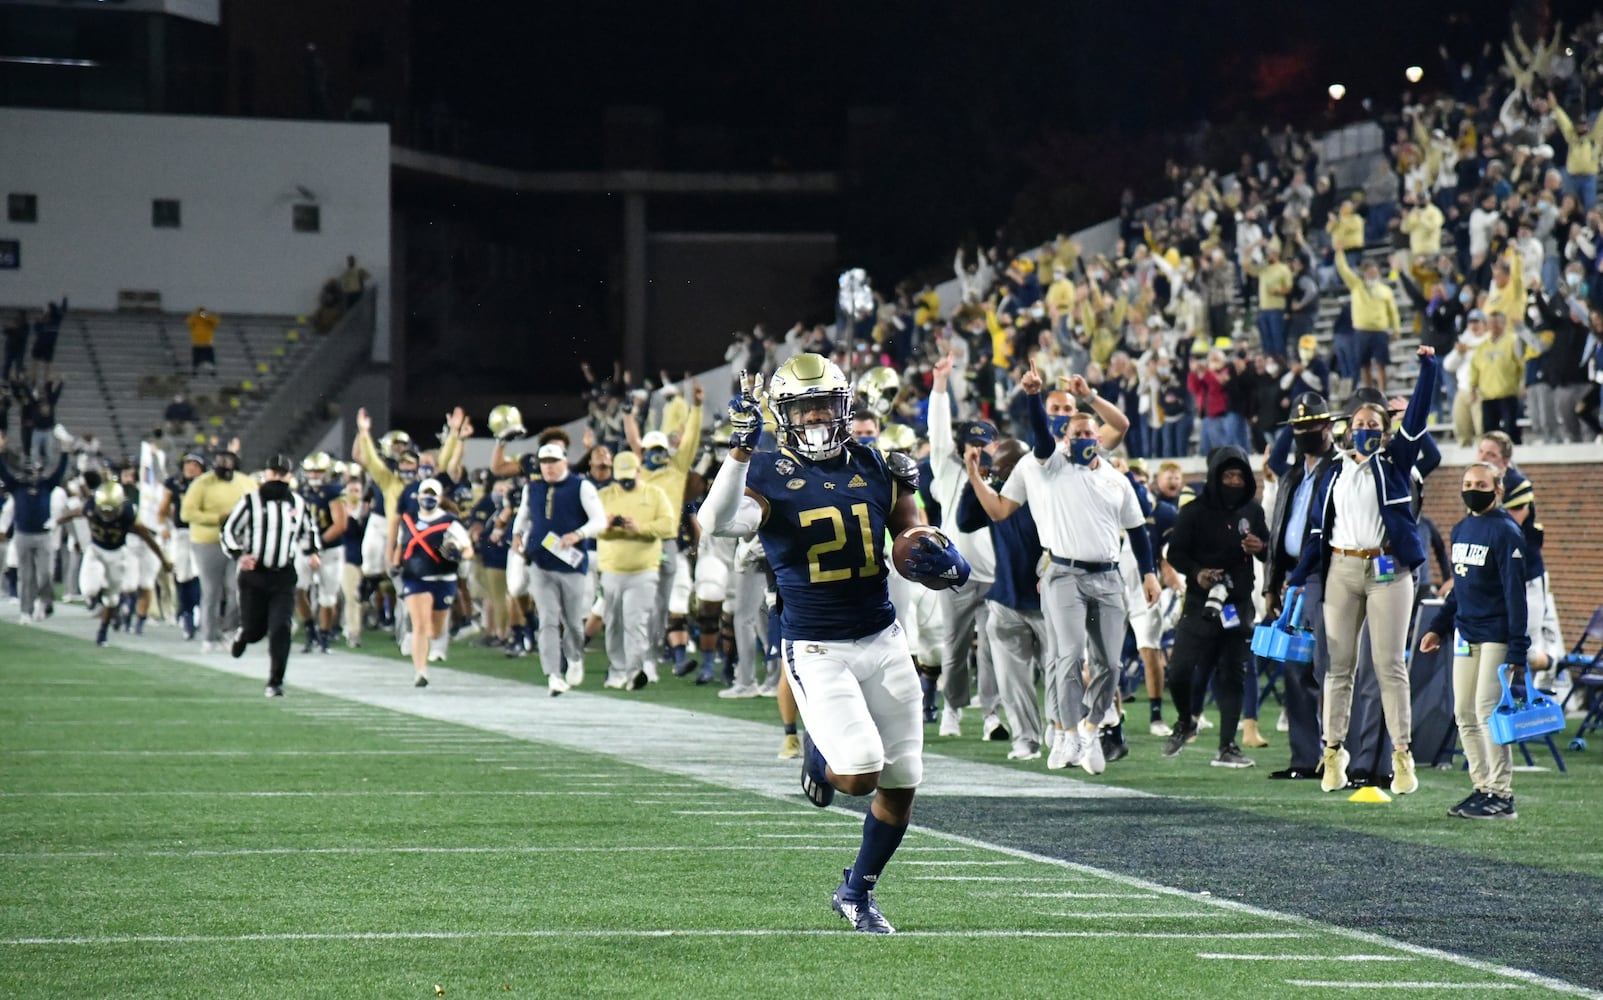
<point>1203,723</point>
<point>556,684</point>
<point>39,611</point>
<point>650,670</point>
<point>1058,758</point>
<point>951,721</point>
<point>1160,728</point>
<point>614,685</point>
<point>1111,716</point>
<point>1283,724</point>
<point>575,674</point>
<point>436,657</point>
<point>1025,750</point>
<point>739,691</point>
<point>1403,779</point>
<point>992,729</point>
<point>406,644</point>
<point>25,619</point>
<point>1068,751</point>
<point>1091,757</point>
<point>210,647</point>
<point>769,688</point>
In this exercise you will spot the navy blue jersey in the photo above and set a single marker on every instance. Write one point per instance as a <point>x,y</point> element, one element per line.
<point>493,554</point>
<point>355,528</point>
<point>110,531</point>
<point>1517,493</point>
<point>319,503</point>
<point>824,537</point>
<point>177,486</point>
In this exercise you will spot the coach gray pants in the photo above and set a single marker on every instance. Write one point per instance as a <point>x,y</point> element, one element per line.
<point>33,567</point>
<point>628,600</point>
<point>1086,617</point>
<point>1565,399</point>
<point>1018,644</point>
<point>750,614</point>
<point>218,582</point>
<point>561,600</point>
<point>964,611</point>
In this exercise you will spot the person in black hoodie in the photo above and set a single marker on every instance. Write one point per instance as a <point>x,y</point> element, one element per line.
<point>1215,541</point>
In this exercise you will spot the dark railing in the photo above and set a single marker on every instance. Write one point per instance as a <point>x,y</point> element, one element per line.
<point>311,383</point>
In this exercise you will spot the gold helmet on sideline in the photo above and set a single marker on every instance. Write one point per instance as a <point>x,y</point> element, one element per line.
<point>317,466</point>
<point>506,423</point>
<point>805,383</point>
<point>878,389</point>
<point>897,437</point>
<point>109,497</point>
<point>394,443</point>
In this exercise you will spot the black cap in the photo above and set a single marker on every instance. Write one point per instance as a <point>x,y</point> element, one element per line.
<point>280,464</point>
<point>1309,407</point>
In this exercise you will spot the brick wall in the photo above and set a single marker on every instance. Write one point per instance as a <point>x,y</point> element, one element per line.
<point>1569,505</point>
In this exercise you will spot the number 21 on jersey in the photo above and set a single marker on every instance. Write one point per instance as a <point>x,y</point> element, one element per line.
<point>816,573</point>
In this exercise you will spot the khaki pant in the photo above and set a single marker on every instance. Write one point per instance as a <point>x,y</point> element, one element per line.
<point>1477,688</point>
<point>351,587</point>
<point>1352,596</point>
<point>1466,419</point>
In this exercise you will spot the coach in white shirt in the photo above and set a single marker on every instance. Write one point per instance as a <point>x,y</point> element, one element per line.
<point>1081,506</point>
<point>963,609</point>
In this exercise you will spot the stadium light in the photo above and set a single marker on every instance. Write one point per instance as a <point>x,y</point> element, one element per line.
<point>1337,92</point>
<point>1414,74</point>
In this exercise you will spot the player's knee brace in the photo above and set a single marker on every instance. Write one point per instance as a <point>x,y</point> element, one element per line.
<point>707,618</point>
<point>678,623</point>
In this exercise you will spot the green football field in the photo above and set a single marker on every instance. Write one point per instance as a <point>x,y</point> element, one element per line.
<point>167,831</point>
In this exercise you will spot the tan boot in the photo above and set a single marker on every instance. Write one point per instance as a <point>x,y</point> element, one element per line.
<point>1250,737</point>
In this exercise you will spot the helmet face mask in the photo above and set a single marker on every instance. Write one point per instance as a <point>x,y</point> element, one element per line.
<point>812,405</point>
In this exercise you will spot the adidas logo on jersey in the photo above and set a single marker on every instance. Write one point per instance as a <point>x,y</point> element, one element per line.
<point>857,481</point>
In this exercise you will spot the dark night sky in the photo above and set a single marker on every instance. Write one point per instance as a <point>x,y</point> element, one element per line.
<point>975,91</point>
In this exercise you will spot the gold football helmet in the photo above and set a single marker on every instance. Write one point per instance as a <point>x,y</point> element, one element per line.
<point>317,466</point>
<point>393,444</point>
<point>109,497</point>
<point>878,389</point>
<point>506,423</point>
<point>896,437</point>
<point>812,404</point>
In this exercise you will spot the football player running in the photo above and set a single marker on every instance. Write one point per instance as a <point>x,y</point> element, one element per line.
<point>821,506</point>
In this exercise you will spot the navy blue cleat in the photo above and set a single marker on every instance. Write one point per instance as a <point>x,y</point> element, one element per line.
<point>815,784</point>
<point>863,914</point>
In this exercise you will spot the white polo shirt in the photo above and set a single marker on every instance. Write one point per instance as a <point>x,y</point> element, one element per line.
<point>1358,525</point>
<point>1081,513</point>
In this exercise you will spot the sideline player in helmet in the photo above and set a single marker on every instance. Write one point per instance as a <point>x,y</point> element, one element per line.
<point>107,564</point>
<point>821,505</point>
<point>323,494</point>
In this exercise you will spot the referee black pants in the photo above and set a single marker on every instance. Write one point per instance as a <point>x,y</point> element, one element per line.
<point>266,610</point>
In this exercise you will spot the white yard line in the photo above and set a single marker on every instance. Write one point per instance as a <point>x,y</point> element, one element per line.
<point>1304,958</point>
<point>728,753</point>
<point>1082,895</point>
<point>966,864</point>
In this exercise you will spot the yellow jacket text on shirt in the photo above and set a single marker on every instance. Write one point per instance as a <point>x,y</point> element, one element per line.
<point>638,551</point>
<point>1374,309</point>
<point>208,502</point>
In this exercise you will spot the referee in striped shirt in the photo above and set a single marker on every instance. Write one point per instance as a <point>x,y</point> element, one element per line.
<point>265,531</point>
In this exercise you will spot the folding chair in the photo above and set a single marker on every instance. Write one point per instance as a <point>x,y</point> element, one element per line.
<point>1586,675</point>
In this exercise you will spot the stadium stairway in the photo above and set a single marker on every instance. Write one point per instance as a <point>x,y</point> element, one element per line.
<point>121,370</point>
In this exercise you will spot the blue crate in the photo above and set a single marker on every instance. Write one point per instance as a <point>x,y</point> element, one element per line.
<point>1513,721</point>
<point>1285,639</point>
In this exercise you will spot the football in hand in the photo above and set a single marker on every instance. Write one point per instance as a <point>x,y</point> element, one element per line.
<point>902,550</point>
